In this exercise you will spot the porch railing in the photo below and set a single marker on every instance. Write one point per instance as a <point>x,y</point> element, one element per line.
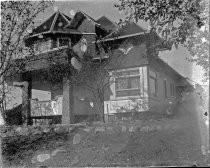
<point>46,112</point>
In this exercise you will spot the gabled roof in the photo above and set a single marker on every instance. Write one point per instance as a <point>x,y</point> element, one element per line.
<point>184,81</point>
<point>107,24</point>
<point>78,19</point>
<point>128,29</point>
<point>56,22</point>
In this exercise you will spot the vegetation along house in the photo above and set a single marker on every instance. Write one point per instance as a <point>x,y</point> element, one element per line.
<point>93,67</point>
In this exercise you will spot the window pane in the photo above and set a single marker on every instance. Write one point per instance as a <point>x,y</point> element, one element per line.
<point>165,88</point>
<point>135,82</point>
<point>42,46</point>
<point>63,42</point>
<point>152,74</point>
<point>54,44</point>
<point>152,83</point>
<point>121,83</point>
<point>174,90</point>
<point>125,93</point>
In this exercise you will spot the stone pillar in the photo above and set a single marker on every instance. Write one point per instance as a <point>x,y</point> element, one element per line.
<point>68,102</point>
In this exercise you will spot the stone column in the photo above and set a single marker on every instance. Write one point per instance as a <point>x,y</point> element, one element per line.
<point>68,102</point>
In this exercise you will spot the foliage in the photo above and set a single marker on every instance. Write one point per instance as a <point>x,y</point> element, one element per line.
<point>179,22</point>
<point>94,75</point>
<point>17,18</point>
<point>198,43</point>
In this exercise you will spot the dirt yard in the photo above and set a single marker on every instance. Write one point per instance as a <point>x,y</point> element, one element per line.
<point>178,143</point>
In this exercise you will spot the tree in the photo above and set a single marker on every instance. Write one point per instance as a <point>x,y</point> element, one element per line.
<point>17,19</point>
<point>97,75</point>
<point>198,43</point>
<point>94,76</point>
<point>180,22</point>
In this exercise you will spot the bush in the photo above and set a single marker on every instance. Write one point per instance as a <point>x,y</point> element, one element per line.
<point>14,116</point>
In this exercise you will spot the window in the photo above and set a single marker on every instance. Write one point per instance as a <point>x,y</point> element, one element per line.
<point>47,45</point>
<point>42,46</point>
<point>153,83</point>
<point>54,43</point>
<point>63,42</point>
<point>165,89</point>
<point>127,83</point>
<point>172,89</point>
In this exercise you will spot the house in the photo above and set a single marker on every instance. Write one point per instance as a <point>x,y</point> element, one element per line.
<point>142,81</point>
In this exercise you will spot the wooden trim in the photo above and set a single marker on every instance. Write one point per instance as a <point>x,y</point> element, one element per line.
<point>53,23</point>
<point>121,37</point>
<point>149,95</point>
<point>64,17</point>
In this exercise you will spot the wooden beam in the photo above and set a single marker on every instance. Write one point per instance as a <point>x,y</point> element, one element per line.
<point>26,86</point>
<point>68,102</point>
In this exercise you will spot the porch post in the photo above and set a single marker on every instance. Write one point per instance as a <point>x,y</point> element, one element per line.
<point>1,158</point>
<point>26,96</point>
<point>68,102</point>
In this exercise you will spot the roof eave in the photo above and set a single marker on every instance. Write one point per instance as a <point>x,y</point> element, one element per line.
<point>121,37</point>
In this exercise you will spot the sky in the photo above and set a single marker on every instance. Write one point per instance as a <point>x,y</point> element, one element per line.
<point>97,8</point>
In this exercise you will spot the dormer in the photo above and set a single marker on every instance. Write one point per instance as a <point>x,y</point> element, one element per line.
<point>51,35</point>
<point>86,24</point>
<point>107,24</point>
<point>59,31</point>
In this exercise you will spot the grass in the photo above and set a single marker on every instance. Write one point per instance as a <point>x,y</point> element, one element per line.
<point>171,147</point>
<point>157,148</point>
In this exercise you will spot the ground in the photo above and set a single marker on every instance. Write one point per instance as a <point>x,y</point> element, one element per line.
<point>178,143</point>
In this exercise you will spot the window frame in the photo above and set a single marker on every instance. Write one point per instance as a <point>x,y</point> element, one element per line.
<point>42,41</point>
<point>50,41</point>
<point>58,42</point>
<point>125,76</point>
<point>165,88</point>
<point>155,79</point>
<point>174,92</point>
<point>172,89</point>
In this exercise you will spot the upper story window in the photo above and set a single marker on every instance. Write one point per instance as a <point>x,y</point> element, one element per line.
<point>63,42</point>
<point>54,43</point>
<point>127,83</point>
<point>50,44</point>
<point>42,46</point>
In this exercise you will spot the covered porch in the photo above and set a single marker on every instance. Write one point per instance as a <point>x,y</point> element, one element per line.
<point>51,105</point>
